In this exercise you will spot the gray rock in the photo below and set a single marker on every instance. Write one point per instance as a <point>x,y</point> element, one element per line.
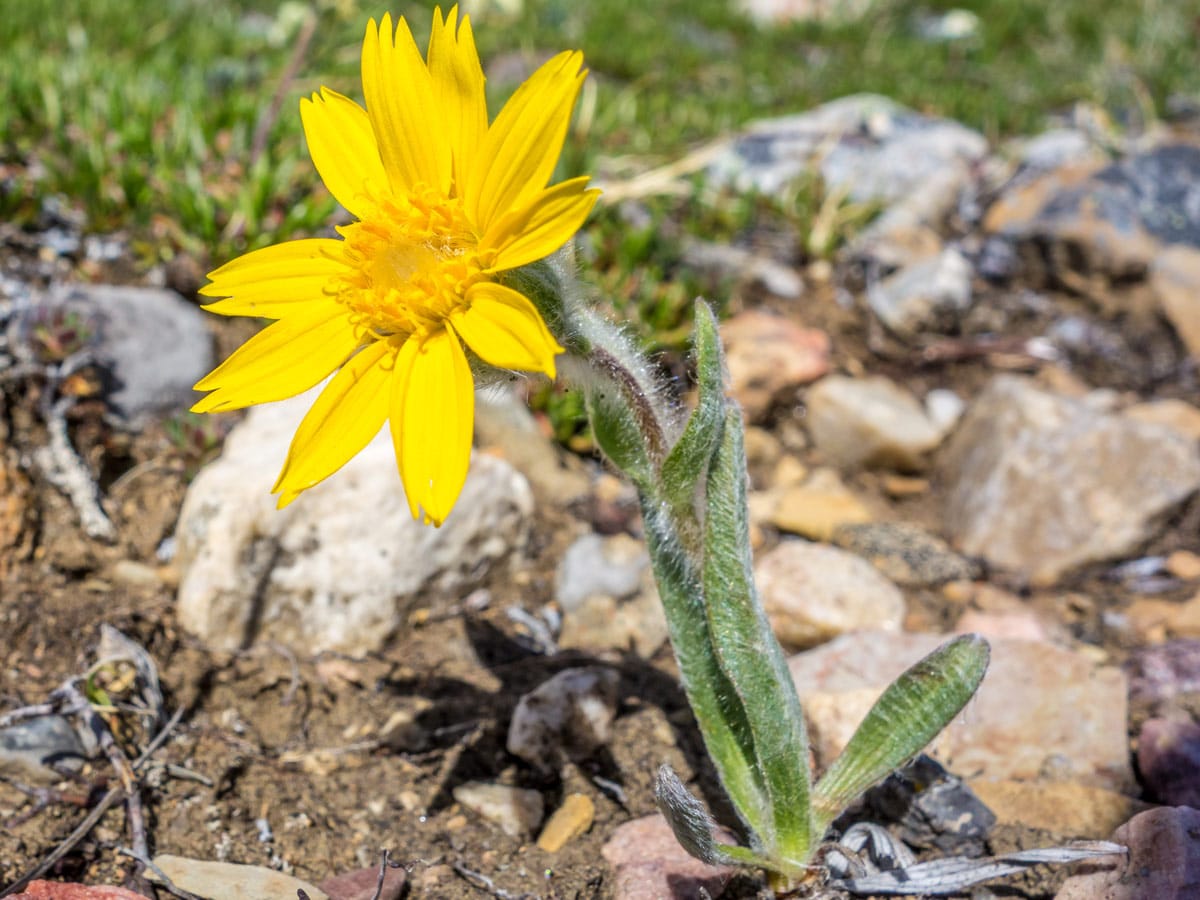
<point>337,568</point>
<point>1057,147</point>
<point>905,553</point>
<point>517,811</point>
<point>1163,861</point>
<point>869,421</point>
<point>595,565</point>
<point>1158,190</point>
<point>1041,713</point>
<point>568,716</point>
<point>1018,496</point>
<point>154,344</point>
<point>928,297</point>
<point>813,593</point>
<point>866,145</point>
<point>932,807</point>
<point>650,864</point>
<point>42,750</point>
<point>1168,755</point>
<point>1112,221</point>
<point>230,881</point>
<point>746,266</point>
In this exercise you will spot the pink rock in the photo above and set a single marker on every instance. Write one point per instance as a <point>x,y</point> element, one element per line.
<point>651,865</point>
<point>1042,711</point>
<point>1169,760</point>
<point>360,884</point>
<point>57,890</point>
<point>1022,626</point>
<point>1163,861</point>
<point>767,355</point>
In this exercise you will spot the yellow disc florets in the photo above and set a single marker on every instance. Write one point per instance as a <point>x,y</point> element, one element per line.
<point>412,259</point>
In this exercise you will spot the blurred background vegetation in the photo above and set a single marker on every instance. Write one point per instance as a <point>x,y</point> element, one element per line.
<point>176,122</point>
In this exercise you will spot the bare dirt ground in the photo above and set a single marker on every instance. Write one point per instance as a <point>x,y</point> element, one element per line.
<point>295,741</point>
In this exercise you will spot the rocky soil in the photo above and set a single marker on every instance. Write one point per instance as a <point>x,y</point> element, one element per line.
<point>979,416</point>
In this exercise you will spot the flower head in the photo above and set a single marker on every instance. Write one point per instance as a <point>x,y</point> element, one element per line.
<point>445,202</point>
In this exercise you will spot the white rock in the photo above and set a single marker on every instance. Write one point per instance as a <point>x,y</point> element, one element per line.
<point>596,565</point>
<point>869,421</point>
<point>230,881</point>
<point>929,296</point>
<point>777,12</point>
<point>944,408</point>
<point>867,145</point>
<point>517,811</point>
<point>1041,713</point>
<point>336,568</point>
<point>813,593</point>
<point>1041,483</point>
<point>1057,147</point>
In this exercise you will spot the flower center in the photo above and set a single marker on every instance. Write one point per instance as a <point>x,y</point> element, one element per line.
<point>413,259</point>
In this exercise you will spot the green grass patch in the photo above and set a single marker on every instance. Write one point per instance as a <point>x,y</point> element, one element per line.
<point>144,116</point>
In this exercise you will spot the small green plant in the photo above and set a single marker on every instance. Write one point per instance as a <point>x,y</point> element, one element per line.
<point>692,485</point>
<point>57,332</point>
<point>196,439</point>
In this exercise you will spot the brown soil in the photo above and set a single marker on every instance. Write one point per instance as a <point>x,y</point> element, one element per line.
<point>293,740</point>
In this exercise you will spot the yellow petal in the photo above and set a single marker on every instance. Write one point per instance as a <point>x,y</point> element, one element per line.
<point>343,149</point>
<point>284,359</point>
<point>277,280</point>
<point>432,418</point>
<point>505,330</point>
<point>521,148</point>
<point>400,103</point>
<point>532,233</point>
<point>458,88</point>
<point>348,413</point>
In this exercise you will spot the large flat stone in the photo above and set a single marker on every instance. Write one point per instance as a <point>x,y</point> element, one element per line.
<point>1041,713</point>
<point>1040,484</point>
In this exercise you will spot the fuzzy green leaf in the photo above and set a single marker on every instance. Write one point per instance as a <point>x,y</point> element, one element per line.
<point>693,826</point>
<point>617,433</point>
<point>715,704</point>
<point>908,715</point>
<point>751,657</point>
<point>686,465</point>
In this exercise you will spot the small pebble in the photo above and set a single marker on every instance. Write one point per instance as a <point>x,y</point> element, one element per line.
<point>1184,564</point>
<point>899,486</point>
<point>517,811</point>
<point>568,822</point>
<point>361,883</point>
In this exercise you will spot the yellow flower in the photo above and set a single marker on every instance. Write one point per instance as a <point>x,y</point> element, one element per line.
<point>444,203</point>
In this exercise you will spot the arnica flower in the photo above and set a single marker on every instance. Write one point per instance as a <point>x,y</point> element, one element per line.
<point>410,297</point>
